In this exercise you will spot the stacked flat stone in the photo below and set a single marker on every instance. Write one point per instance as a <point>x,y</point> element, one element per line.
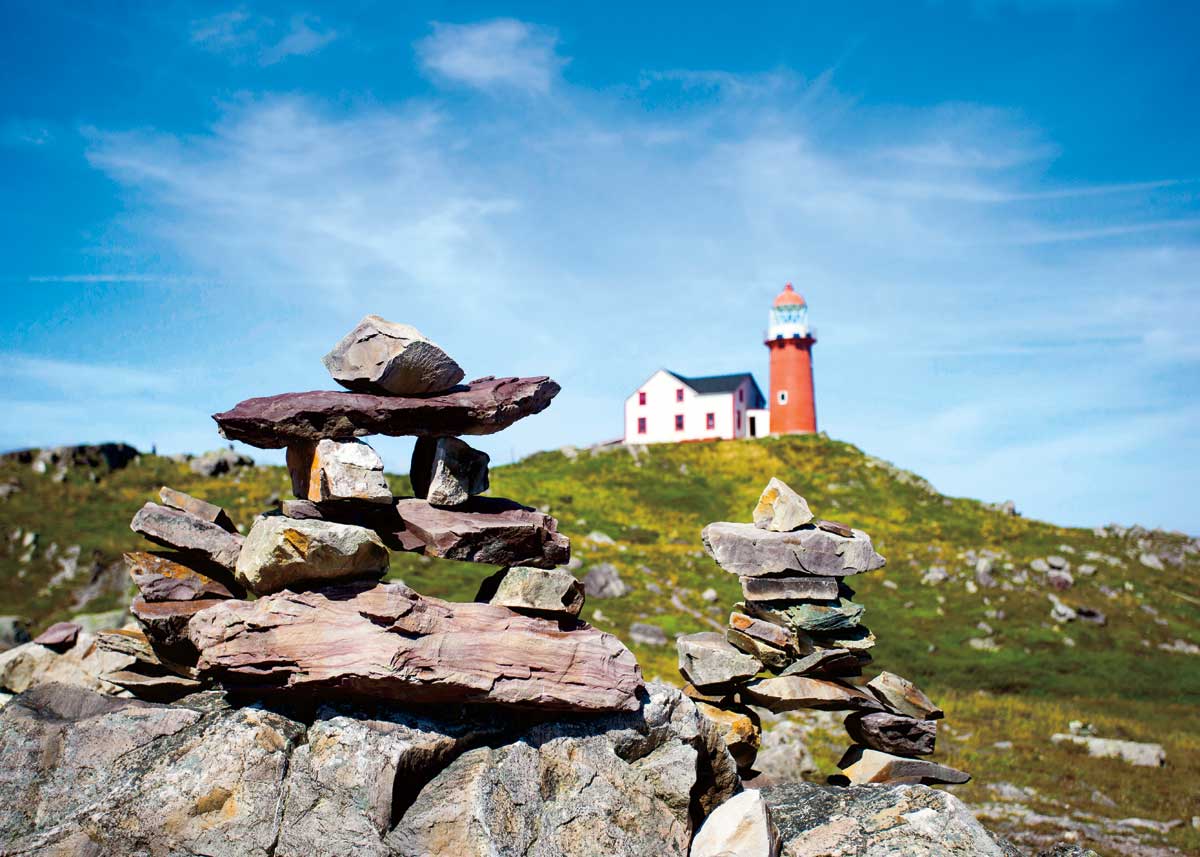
<point>322,621</point>
<point>797,641</point>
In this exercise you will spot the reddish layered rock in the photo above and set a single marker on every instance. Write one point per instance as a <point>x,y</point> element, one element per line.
<point>385,641</point>
<point>161,579</point>
<point>483,406</point>
<point>488,530</point>
<point>185,532</point>
<point>210,512</point>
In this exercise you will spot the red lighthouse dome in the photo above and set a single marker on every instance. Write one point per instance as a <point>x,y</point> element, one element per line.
<point>789,296</point>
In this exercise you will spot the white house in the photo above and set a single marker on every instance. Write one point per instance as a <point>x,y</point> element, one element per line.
<point>669,408</point>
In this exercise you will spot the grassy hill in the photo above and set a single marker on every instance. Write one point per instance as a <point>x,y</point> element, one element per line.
<point>985,645</point>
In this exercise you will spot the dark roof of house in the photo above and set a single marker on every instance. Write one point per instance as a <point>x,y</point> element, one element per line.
<point>721,384</point>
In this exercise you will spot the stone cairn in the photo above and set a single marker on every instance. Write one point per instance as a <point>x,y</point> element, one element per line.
<point>798,624</point>
<point>320,620</point>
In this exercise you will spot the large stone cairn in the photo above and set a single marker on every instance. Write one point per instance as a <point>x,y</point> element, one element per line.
<point>797,641</point>
<point>319,620</point>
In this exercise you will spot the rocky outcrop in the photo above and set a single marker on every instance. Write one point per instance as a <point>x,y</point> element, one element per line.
<point>160,578</point>
<point>483,406</point>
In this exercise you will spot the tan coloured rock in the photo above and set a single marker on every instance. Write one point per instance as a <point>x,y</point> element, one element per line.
<point>386,641</point>
<point>202,509</point>
<point>287,553</point>
<point>740,827</point>
<point>381,356</point>
<point>780,509</point>
<point>861,765</point>
<point>331,470</point>
<point>159,578</point>
<point>538,590</point>
<point>903,697</point>
<point>739,729</point>
<point>789,693</point>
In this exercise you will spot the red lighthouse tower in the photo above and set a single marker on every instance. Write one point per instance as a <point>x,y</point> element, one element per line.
<point>793,406</point>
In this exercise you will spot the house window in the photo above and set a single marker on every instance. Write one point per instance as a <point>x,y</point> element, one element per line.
<point>679,422</point>
<point>782,397</point>
<point>642,398</point>
<point>741,394</point>
<point>739,420</point>
<point>710,421</point>
<point>679,394</point>
<point>641,425</point>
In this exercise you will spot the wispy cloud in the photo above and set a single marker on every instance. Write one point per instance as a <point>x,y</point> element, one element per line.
<point>25,132</point>
<point>241,35</point>
<point>504,54</point>
<point>73,377</point>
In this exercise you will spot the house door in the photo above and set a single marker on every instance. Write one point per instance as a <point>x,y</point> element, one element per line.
<point>754,427</point>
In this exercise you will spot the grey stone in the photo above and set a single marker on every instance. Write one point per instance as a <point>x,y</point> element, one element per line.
<point>770,656</point>
<point>826,662</point>
<point>380,356</point>
<point>604,581</point>
<point>789,588</point>
<point>334,470</point>
<point>780,509</point>
<point>1136,753</point>
<point>862,765</point>
<point>1057,562</point>
<point>537,590</point>
<point>708,660</point>
<point>815,618</point>
<point>647,634</point>
<point>284,553</point>
<point>892,733</point>
<point>1040,566</point>
<point>903,697</point>
<point>447,471</point>
<point>187,533</point>
<point>219,462</point>
<point>747,551</point>
<point>789,693</point>
<point>202,509</point>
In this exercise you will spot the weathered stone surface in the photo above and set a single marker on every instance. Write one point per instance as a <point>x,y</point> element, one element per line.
<point>789,693</point>
<point>857,639</point>
<point>159,578</point>
<point>861,765</point>
<point>604,581</point>
<point>202,509</point>
<point>789,588</point>
<point>878,821</point>
<point>126,658</point>
<point>1131,752</point>
<point>483,406</point>
<point>747,551</point>
<point>771,656</point>
<point>337,470</point>
<point>780,509</point>
<point>826,662</point>
<point>836,528</point>
<point>283,552</point>
<point>553,591</point>
<point>832,617</point>
<point>447,471</point>
<point>187,533</point>
<point>165,625</point>
<point>768,632</point>
<point>740,827</point>
<point>32,664</point>
<point>903,697</point>
<point>739,729</point>
<point>487,530</point>
<point>708,660</point>
<point>60,635</point>
<point>380,356</point>
<point>388,642</point>
<point>892,733</point>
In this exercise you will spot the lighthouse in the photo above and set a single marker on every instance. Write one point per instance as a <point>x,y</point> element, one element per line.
<point>790,340</point>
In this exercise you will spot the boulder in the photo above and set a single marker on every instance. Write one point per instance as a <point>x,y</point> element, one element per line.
<point>862,765</point>
<point>389,358</point>
<point>202,509</point>
<point>1131,752</point>
<point>385,641</point>
<point>708,660</point>
<point>487,530</point>
<point>878,821</point>
<point>60,635</point>
<point>483,406</point>
<point>892,733</point>
<point>219,462</point>
<point>604,581</point>
<point>337,470</point>
<point>789,588</point>
<point>793,692</point>
<point>185,532</point>
<point>160,578</point>
<point>447,471</point>
<point>284,553</point>
<point>551,591</point>
<point>903,697</point>
<point>740,827</point>
<point>747,551</point>
<point>739,728</point>
<point>780,509</point>
<point>826,662</point>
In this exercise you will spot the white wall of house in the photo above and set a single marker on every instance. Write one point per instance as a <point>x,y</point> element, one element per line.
<point>758,422</point>
<point>705,417</point>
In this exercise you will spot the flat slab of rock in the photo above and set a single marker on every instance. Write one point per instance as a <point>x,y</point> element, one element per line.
<point>826,662</point>
<point>747,551</point>
<point>789,588</point>
<point>892,733</point>
<point>161,579</point>
<point>202,509</point>
<point>283,552</point>
<point>793,692</point>
<point>483,406</point>
<point>903,697</point>
<point>488,530</point>
<point>780,509</point>
<point>831,617</point>
<point>337,470</point>
<point>60,635</point>
<point>708,660</point>
<point>185,532</point>
<point>386,641</point>
<point>553,591</point>
<point>862,765</point>
<point>447,471</point>
<point>768,632</point>
<point>380,356</point>
<point>740,827</point>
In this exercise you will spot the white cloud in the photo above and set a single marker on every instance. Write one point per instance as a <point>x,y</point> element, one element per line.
<point>494,55</point>
<point>303,37</point>
<point>25,132</point>
<point>240,35</point>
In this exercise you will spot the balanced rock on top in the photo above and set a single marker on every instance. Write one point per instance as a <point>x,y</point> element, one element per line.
<point>385,357</point>
<point>780,509</point>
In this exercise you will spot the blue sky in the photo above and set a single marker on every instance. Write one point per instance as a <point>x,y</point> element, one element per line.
<point>992,208</point>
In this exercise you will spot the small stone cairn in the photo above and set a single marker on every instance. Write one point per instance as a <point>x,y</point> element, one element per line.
<point>296,607</point>
<point>798,625</point>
